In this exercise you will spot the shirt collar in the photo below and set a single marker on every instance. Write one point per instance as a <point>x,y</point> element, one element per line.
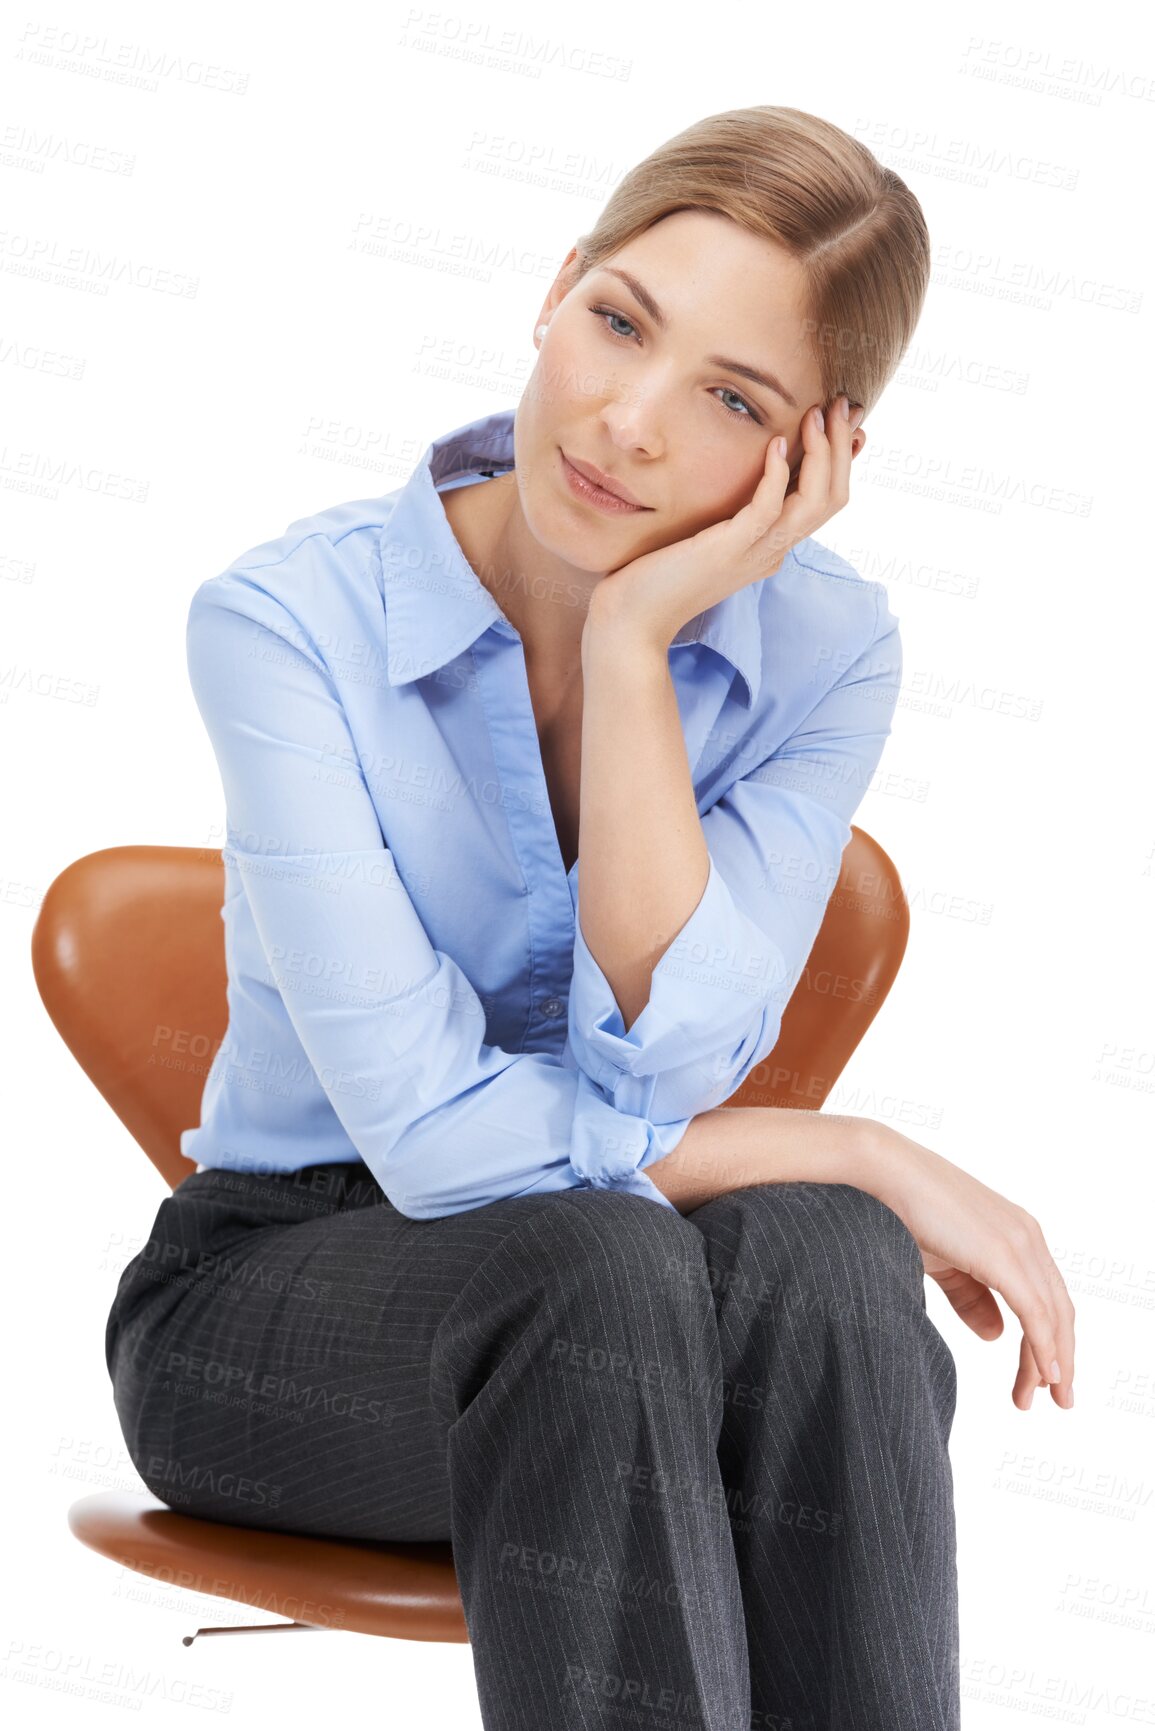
<point>437,605</point>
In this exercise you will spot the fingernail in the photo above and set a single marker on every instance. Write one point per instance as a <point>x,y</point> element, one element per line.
<point>1070,1400</point>
<point>844,407</point>
<point>856,415</point>
<point>1056,1373</point>
<point>820,420</point>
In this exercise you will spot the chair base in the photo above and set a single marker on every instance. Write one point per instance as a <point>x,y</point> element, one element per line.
<point>253,1629</point>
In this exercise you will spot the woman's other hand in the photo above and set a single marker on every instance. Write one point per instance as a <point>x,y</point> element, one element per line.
<point>660,591</point>
<point>975,1243</point>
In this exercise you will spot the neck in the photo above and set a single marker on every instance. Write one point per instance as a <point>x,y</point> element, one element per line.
<point>544,599</point>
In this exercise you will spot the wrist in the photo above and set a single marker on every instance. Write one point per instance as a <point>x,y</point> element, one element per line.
<point>612,620</point>
<point>886,1161</point>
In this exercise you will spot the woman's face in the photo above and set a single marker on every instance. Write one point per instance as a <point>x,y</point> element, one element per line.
<point>639,397</point>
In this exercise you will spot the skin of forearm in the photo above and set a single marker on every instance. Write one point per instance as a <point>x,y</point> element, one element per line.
<point>732,1147</point>
<point>644,859</point>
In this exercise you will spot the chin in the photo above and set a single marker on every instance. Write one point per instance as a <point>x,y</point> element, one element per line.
<point>598,545</point>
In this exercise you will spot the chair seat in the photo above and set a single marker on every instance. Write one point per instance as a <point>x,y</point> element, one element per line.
<point>405,1590</point>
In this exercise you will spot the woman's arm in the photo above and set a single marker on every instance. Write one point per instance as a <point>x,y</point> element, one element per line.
<point>974,1242</point>
<point>734,1146</point>
<point>647,861</point>
<point>705,999</point>
<point>636,894</point>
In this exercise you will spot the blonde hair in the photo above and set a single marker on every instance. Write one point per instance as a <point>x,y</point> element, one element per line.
<point>855,229</point>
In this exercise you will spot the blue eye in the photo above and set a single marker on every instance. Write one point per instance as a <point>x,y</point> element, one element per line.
<point>607,313</point>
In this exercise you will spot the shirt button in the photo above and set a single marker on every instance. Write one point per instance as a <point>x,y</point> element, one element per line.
<point>552,1007</point>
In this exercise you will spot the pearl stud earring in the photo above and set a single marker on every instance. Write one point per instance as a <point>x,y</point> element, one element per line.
<point>539,333</point>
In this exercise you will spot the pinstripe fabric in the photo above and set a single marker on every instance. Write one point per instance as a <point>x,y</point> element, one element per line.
<point>695,1468</point>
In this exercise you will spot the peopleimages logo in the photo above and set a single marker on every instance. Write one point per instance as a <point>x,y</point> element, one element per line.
<point>180,1481</point>
<point>193,1371</point>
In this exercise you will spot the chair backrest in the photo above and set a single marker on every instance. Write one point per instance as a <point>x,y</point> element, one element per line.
<point>128,956</point>
<point>850,969</point>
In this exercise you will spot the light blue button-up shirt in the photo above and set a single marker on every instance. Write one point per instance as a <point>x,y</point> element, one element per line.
<point>408,982</point>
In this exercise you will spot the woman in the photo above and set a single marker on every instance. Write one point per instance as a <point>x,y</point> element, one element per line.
<point>474,1248</point>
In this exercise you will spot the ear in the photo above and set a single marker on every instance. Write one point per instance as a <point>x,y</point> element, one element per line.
<point>566,276</point>
<point>857,440</point>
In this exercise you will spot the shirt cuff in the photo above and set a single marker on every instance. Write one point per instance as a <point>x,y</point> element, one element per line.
<point>709,1004</point>
<point>610,1148</point>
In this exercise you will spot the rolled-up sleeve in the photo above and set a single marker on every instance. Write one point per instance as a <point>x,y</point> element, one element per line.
<point>391,1025</point>
<point>775,840</point>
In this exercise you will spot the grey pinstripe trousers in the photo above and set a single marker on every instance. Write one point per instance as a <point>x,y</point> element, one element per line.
<point>694,1468</point>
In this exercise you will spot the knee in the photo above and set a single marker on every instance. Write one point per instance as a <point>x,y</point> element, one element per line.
<point>836,1239</point>
<point>617,1254</point>
<point>604,1288</point>
<point>827,1263</point>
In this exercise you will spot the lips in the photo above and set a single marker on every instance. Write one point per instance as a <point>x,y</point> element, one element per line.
<point>604,481</point>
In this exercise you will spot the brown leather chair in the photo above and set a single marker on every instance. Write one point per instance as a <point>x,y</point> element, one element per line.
<point>128,955</point>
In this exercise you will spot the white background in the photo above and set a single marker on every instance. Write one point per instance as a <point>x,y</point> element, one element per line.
<point>1002,496</point>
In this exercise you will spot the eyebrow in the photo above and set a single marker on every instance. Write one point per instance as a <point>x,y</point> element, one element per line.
<point>644,298</point>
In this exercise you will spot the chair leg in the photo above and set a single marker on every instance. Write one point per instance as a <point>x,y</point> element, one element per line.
<point>255,1629</point>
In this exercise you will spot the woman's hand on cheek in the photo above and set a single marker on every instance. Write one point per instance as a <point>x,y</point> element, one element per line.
<point>660,591</point>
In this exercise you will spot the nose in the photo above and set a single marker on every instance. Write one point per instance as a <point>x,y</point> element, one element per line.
<point>632,422</point>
